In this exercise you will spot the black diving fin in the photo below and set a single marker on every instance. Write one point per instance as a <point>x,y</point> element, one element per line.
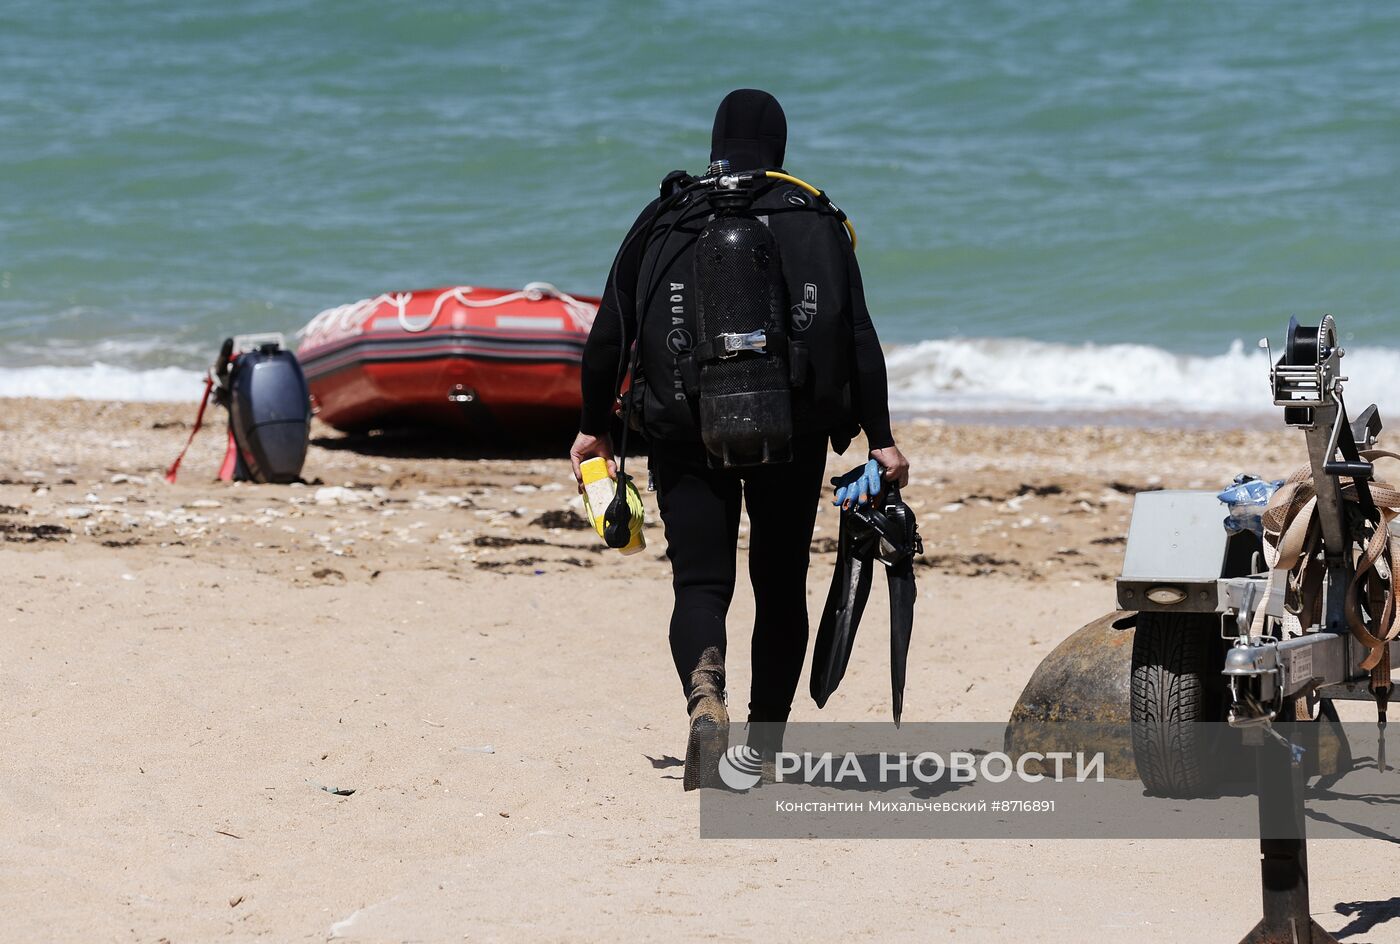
<point>845,602</point>
<point>903,592</point>
<point>888,533</point>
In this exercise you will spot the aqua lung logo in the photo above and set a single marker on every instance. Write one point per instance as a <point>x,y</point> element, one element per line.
<point>805,311</point>
<point>740,767</point>
<point>678,341</point>
<point>796,198</point>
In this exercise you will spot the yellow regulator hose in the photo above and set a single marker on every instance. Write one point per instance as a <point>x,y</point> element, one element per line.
<point>778,175</point>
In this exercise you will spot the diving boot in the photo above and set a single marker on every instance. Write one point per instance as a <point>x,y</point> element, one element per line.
<point>709,722</point>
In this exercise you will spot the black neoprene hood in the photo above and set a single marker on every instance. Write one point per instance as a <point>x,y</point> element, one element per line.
<point>750,131</point>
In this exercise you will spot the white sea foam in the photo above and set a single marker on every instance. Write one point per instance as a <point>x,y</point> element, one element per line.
<point>1012,375</point>
<point>976,375</point>
<point>99,381</point>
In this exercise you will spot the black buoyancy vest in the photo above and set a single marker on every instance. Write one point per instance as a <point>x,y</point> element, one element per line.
<point>813,246</point>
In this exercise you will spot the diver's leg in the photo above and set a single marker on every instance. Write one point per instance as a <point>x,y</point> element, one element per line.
<point>700,509</point>
<point>782,502</point>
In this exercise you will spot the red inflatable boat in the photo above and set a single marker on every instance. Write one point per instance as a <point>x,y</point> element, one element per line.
<point>503,364</point>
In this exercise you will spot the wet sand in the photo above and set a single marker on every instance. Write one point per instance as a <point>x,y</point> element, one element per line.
<point>189,672</point>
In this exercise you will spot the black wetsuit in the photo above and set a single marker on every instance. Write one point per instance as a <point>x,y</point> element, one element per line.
<point>699,505</point>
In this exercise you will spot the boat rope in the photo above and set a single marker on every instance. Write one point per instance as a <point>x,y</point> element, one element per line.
<point>349,319</point>
<point>174,470</point>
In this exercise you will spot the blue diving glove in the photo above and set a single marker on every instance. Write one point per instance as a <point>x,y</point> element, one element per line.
<point>860,485</point>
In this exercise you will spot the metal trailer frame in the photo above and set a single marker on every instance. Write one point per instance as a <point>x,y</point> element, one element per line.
<point>1179,558</point>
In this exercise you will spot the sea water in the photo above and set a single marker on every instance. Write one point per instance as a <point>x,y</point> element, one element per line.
<point>1061,205</point>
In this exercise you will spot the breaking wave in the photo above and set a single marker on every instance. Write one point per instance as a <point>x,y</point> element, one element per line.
<point>1012,375</point>
<point>99,381</point>
<point>974,375</point>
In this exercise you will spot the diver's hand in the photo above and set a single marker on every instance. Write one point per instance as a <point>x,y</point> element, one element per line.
<point>858,486</point>
<point>894,464</point>
<point>590,447</point>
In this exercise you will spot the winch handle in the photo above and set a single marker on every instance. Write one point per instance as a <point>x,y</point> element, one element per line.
<point>1343,439</point>
<point>1353,470</point>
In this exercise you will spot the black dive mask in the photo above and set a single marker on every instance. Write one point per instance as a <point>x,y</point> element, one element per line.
<point>885,529</point>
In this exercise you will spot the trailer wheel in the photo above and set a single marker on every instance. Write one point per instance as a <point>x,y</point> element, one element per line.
<point>1176,686</point>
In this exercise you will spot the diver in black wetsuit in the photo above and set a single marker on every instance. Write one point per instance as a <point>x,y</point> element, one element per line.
<point>845,392</point>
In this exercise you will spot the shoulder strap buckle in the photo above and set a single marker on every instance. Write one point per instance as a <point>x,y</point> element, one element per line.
<point>753,341</point>
<point>722,347</point>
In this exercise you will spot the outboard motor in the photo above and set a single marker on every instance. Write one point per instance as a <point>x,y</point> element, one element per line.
<point>269,407</point>
<point>742,353</point>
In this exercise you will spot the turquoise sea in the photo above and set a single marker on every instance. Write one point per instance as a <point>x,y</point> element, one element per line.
<point>1060,204</point>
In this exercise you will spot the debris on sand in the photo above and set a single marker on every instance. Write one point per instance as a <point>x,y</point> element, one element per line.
<point>30,533</point>
<point>337,791</point>
<point>564,519</point>
<point>339,495</point>
<point>493,540</point>
<point>1127,488</point>
<point>965,565</point>
<point>532,563</point>
<point>424,500</point>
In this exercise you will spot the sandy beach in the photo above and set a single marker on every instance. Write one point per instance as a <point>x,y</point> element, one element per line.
<point>190,673</point>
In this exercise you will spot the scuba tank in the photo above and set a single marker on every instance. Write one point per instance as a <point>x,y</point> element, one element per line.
<point>739,368</point>
<point>739,372</point>
<point>269,407</point>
